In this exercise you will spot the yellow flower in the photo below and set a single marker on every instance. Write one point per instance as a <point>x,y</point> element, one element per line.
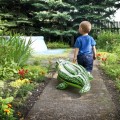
<point>7,111</point>
<point>18,83</point>
<point>42,73</point>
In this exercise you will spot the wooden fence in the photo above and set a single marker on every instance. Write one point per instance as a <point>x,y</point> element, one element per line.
<point>106,25</point>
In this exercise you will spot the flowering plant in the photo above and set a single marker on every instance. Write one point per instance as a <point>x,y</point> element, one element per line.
<point>102,56</point>
<point>18,83</point>
<point>22,73</point>
<point>6,110</point>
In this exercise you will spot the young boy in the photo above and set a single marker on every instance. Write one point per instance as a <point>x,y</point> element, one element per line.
<point>85,50</point>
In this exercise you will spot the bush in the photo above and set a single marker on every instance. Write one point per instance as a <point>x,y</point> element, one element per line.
<point>107,40</point>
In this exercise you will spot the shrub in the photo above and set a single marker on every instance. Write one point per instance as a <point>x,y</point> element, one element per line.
<point>107,40</point>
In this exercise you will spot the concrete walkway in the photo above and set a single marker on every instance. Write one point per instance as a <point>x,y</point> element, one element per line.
<point>68,104</point>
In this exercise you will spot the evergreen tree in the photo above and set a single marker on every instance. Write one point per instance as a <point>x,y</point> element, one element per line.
<point>54,17</point>
<point>92,10</point>
<point>95,11</point>
<point>16,14</point>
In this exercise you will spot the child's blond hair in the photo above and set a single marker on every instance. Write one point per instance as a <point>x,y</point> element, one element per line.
<point>86,26</point>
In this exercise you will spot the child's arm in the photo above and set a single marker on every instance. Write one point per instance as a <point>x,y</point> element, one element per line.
<point>94,52</point>
<point>76,50</point>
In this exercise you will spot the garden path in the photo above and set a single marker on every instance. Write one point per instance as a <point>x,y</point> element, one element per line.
<point>54,104</point>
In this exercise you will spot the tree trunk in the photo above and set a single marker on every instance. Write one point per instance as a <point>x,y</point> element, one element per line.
<point>72,41</point>
<point>61,38</point>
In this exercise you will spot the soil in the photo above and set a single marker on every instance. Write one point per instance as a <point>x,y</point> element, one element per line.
<point>115,94</point>
<point>33,97</point>
<point>108,82</point>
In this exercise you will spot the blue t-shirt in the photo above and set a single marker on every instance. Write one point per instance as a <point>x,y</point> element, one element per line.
<point>85,43</point>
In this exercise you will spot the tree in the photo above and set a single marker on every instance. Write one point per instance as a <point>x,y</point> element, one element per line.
<point>16,13</point>
<point>54,18</point>
<point>92,10</point>
<point>95,11</point>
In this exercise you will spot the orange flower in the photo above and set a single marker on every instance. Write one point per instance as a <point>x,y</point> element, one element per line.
<point>7,111</point>
<point>22,72</point>
<point>104,59</point>
<point>98,55</point>
<point>9,105</point>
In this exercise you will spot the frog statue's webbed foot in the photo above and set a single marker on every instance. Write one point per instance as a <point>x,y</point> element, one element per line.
<point>62,86</point>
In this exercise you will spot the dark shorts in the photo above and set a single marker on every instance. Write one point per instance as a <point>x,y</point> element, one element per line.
<point>86,61</point>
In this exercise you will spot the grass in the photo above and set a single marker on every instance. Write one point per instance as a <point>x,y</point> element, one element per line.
<point>42,58</point>
<point>56,45</point>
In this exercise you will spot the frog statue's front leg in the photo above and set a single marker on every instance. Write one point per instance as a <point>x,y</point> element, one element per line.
<point>62,85</point>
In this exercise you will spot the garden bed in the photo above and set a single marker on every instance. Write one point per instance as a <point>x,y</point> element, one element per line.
<point>22,84</point>
<point>33,97</point>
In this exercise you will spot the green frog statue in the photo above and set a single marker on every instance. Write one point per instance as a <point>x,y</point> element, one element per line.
<point>74,75</point>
